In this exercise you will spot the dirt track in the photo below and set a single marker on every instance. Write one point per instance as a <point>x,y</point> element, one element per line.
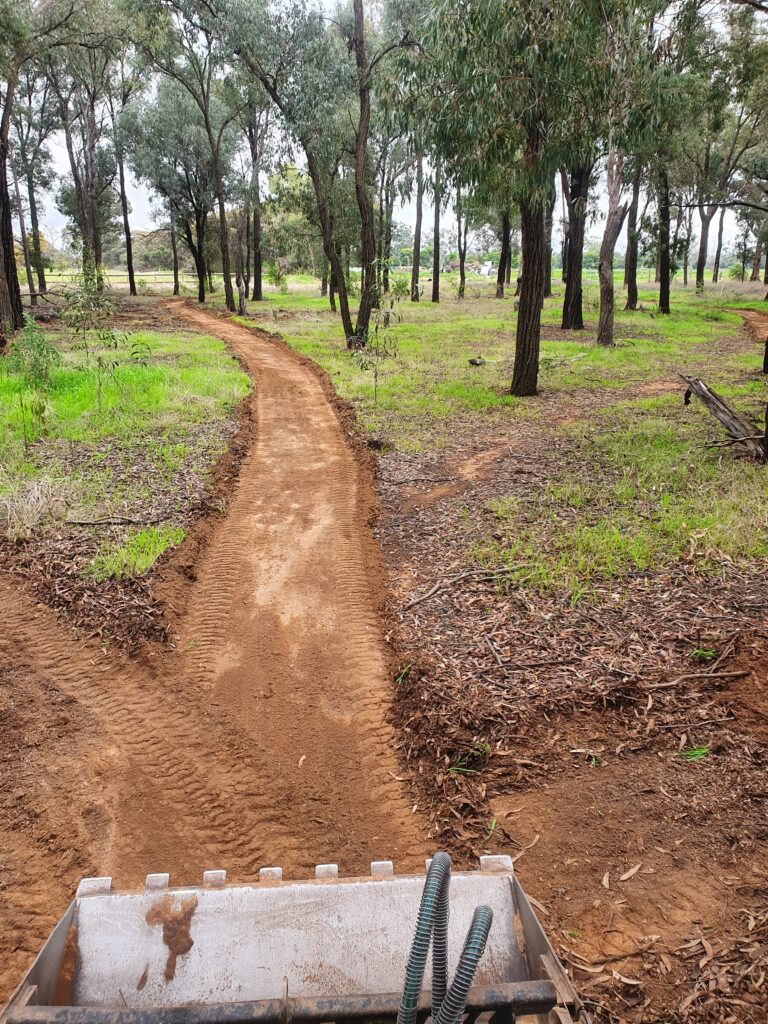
<point>262,739</point>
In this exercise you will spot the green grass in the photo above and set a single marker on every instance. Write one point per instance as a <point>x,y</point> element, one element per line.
<point>136,554</point>
<point>427,385</point>
<point>637,494</point>
<point>187,379</point>
<point>102,412</point>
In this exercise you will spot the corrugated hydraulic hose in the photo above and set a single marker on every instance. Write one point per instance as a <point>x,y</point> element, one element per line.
<point>452,1007</point>
<point>447,1006</point>
<point>432,922</point>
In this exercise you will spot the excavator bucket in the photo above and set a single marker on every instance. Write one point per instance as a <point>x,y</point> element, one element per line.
<point>328,949</point>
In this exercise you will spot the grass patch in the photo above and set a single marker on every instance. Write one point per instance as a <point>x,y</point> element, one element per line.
<point>136,554</point>
<point>637,495</point>
<point>427,386</point>
<point>111,428</point>
<point>187,380</point>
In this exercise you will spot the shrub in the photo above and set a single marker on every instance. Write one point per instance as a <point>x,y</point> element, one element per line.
<point>33,356</point>
<point>399,287</point>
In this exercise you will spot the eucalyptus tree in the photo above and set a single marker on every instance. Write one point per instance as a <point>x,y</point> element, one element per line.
<point>633,234</point>
<point>80,75</point>
<point>34,122</point>
<point>420,184</point>
<point>676,43</point>
<point>628,88</point>
<point>185,41</point>
<point>575,184</point>
<point>170,151</point>
<point>504,76</point>
<point>127,78</point>
<point>27,30</point>
<point>392,168</point>
<point>14,41</point>
<point>255,122</point>
<point>733,118</point>
<point>303,63</point>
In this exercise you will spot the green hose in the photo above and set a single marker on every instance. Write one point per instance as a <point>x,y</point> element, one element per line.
<point>432,919</point>
<point>451,1009</point>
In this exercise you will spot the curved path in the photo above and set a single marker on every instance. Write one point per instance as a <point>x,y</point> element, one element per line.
<point>263,739</point>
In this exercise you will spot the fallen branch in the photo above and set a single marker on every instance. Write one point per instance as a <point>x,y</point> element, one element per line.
<point>114,521</point>
<point>694,675</point>
<point>742,431</point>
<point>449,580</point>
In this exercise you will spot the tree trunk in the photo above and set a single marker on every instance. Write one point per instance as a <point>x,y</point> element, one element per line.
<point>175,255</point>
<point>549,214</point>
<point>461,224</point>
<point>504,255</point>
<point>332,254</point>
<point>226,270</point>
<point>664,261</point>
<point>675,245</point>
<point>126,226</point>
<point>368,296</point>
<point>719,250</point>
<point>387,247</point>
<point>688,236</point>
<point>630,259</point>
<point>24,242</point>
<point>436,236</point>
<point>201,275</point>
<point>617,211</point>
<point>196,246</point>
<point>247,272</point>
<point>757,260</point>
<point>11,308</point>
<point>324,279</point>
<point>258,270</point>
<point>578,195</point>
<point>417,229</point>
<point>526,369</point>
<point>36,253</point>
<point>381,217</point>
<point>332,289</point>
<point>564,221</point>
<point>701,262</point>
<point>256,131</point>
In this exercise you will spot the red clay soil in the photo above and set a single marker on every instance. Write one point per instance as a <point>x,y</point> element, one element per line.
<point>756,323</point>
<point>261,739</point>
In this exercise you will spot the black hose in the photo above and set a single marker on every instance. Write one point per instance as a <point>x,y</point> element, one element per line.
<point>433,918</point>
<point>452,1008</point>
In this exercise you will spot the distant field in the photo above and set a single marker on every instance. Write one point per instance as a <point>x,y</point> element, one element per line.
<point>160,281</point>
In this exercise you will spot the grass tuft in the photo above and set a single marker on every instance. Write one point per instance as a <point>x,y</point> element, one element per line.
<point>136,554</point>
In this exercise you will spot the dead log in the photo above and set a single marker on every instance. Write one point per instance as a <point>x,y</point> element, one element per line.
<point>742,430</point>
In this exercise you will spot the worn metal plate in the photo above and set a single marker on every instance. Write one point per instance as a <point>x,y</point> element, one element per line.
<point>326,937</point>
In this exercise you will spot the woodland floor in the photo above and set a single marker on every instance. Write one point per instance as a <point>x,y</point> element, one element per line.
<point>612,737</point>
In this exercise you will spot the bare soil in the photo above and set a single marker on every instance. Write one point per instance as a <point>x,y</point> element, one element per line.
<point>261,739</point>
<point>756,322</point>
